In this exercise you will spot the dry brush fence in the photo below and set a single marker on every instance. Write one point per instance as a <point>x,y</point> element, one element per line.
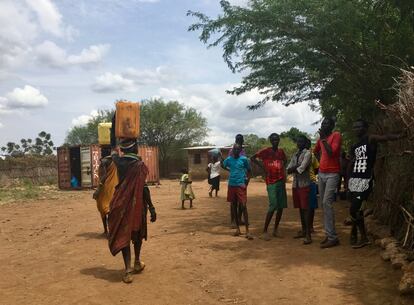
<point>394,180</point>
<point>36,170</point>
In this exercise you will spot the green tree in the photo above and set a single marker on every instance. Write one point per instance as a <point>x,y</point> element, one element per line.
<point>338,55</point>
<point>293,134</point>
<point>254,143</point>
<point>88,134</point>
<point>170,126</point>
<point>42,146</point>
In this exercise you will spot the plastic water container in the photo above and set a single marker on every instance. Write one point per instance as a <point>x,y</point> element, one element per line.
<point>104,133</point>
<point>215,152</point>
<point>127,119</point>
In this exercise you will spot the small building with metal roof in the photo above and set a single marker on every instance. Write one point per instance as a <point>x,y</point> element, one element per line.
<point>198,159</point>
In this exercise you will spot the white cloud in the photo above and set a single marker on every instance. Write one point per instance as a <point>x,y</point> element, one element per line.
<point>17,31</point>
<point>28,97</point>
<point>54,56</point>
<point>48,15</point>
<point>227,115</point>
<point>110,82</point>
<point>131,79</point>
<point>92,55</point>
<point>24,22</point>
<point>84,118</point>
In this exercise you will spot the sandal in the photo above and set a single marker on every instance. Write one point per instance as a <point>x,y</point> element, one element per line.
<point>139,267</point>
<point>127,278</point>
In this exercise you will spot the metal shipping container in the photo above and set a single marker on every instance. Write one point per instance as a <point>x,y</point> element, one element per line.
<point>80,162</point>
<point>150,156</point>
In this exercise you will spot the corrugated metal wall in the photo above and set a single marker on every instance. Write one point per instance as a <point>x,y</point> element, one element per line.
<point>91,160</point>
<point>63,167</point>
<point>150,156</point>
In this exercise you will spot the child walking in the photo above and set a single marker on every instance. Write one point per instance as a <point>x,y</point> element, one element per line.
<point>186,189</point>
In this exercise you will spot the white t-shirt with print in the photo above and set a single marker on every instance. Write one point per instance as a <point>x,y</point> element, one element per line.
<point>214,169</point>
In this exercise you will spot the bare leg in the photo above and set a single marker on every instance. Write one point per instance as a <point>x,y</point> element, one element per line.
<point>246,222</point>
<point>234,206</point>
<point>216,193</point>
<point>311,218</point>
<point>137,250</point>
<point>182,205</point>
<point>239,213</point>
<point>126,255</point>
<point>191,203</point>
<point>279,214</point>
<point>269,216</point>
<point>138,264</point>
<point>105,224</point>
<point>308,238</point>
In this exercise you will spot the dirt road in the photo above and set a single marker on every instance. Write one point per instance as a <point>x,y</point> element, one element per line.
<point>52,252</point>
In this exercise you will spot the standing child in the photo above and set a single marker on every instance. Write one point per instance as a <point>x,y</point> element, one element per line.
<point>186,189</point>
<point>274,161</point>
<point>299,167</point>
<point>213,170</point>
<point>240,172</point>
<point>313,194</point>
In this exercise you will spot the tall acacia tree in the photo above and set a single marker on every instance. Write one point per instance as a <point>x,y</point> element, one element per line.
<point>170,126</point>
<point>338,55</point>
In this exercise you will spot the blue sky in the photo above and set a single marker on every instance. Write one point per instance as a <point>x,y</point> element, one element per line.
<point>61,60</point>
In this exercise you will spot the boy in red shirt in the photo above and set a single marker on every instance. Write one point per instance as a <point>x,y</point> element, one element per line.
<point>273,162</point>
<point>329,148</point>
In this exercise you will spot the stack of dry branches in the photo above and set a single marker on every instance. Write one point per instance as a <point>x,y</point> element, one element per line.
<point>393,195</point>
<point>403,109</point>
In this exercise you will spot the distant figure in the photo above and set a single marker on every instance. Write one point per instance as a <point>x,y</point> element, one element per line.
<point>240,171</point>
<point>273,163</point>
<point>128,208</point>
<point>343,176</point>
<point>213,170</point>
<point>313,188</point>
<point>239,140</point>
<point>108,180</point>
<point>361,175</point>
<point>74,182</point>
<point>299,167</point>
<point>186,189</point>
<point>329,146</point>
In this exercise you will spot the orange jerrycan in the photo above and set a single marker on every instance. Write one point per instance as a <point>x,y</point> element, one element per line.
<point>127,119</point>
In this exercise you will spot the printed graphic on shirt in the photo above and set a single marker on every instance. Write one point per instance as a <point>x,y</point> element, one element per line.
<point>361,163</point>
<point>358,184</point>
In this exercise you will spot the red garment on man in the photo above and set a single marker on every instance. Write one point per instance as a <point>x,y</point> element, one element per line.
<point>330,164</point>
<point>274,164</point>
<point>127,208</point>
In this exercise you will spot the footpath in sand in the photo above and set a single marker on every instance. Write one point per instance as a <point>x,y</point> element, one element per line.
<point>52,252</point>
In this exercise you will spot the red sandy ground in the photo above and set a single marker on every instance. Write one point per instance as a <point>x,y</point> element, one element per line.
<point>52,252</point>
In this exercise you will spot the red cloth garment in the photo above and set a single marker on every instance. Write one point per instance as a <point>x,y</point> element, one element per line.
<point>274,164</point>
<point>125,218</point>
<point>237,194</point>
<point>301,197</point>
<point>329,164</point>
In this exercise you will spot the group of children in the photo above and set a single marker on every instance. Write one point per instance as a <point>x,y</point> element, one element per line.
<point>315,171</point>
